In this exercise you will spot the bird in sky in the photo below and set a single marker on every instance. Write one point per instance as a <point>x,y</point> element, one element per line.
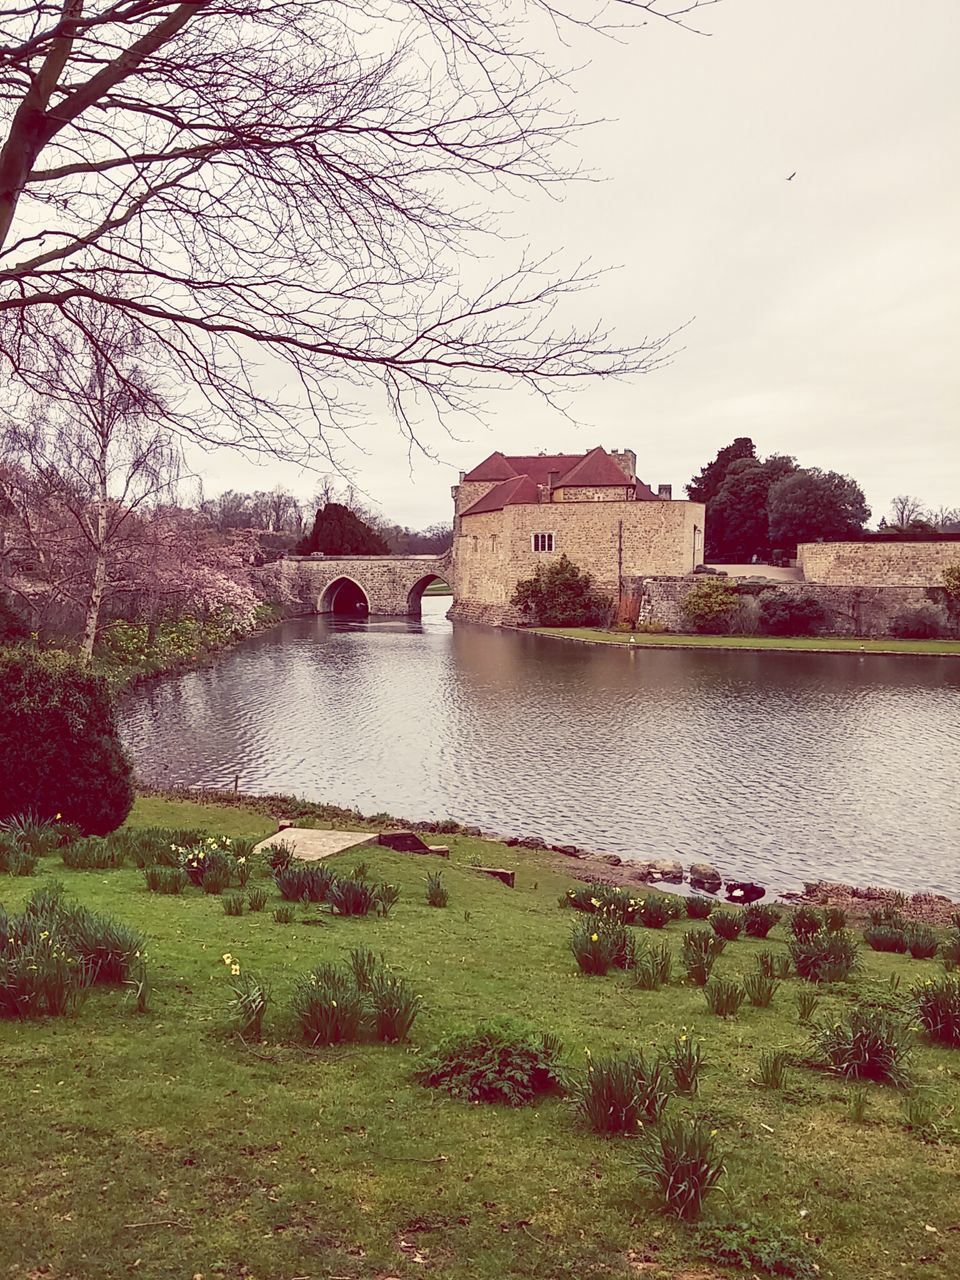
<point>792,176</point>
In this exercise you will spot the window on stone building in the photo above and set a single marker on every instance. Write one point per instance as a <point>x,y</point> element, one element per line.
<point>542,541</point>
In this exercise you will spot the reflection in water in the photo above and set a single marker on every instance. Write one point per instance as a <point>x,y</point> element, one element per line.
<point>782,767</point>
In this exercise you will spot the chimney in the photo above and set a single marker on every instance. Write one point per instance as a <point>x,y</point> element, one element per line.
<point>665,491</point>
<point>552,478</point>
<point>626,460</point>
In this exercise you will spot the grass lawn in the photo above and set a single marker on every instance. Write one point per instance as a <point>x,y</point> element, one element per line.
<point>813,644</point>
<point>157,1145</point>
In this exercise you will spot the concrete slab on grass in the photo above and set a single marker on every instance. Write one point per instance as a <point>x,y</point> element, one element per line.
<point>312,844</point>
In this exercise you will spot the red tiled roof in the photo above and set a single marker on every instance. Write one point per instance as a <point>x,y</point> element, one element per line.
<point>496,467</point>
<point>595,468</point>
<point>506,494</point>
<point>643,493</point>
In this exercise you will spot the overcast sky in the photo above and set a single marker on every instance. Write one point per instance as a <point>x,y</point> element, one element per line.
<point>824,312</point>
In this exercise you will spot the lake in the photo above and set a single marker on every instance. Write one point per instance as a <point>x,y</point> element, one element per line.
<point>779,767</point>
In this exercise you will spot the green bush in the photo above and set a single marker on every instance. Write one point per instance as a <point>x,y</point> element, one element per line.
<point>93,855</point>
<point>680,1159</point>
<point>304,882</point>
<point>349,897</point>
<point>880,937</point>
<point>248,1004</point>
<point>387,896</point>
<point>257,899</point>
<point>656,911</point>
<point>601,944</point>
<point>784,614</point>
<point>805,922</point>
<point>169,880</point>
<point>760,989</point>
<point>774,964</point>
<point>394,1006</point>
<point>834,919</point>
<point>922,942</point>
<point>233,904</point>
<point>559,595</point>
<point>699,951</point>
<point>950,953</point>
<point>684,1059</point>
<point>285,914</point>
<point>937,1006</point>
<point>497,1062</point>
<point>723,997</point>
<point>35,836</point>
<point>437,895</point>
<point>651,967</point>
<point>727,924</point>
<point>216,876</point>
<point>75,766</point>
<point>13,860</point>
<point>328,1006</point>
<point>699,908</point>
<point>867,1044</point>
<point>621,1094</point>
<point>709,606</point>
<point>824,957</point>
<point>759,919</point>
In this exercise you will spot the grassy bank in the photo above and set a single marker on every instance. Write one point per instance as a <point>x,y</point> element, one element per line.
<point>805,644</point>
<point>158,1145</point>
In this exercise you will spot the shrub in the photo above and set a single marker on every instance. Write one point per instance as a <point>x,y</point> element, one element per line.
<point>304,882</point>
<point>685,1060</point>
<point>75,766</point>
<point>92,855</point>
<point>620,1094</point>
<point>760,989</point>
<point>349,897</point>
<point>496,1062</point>
<point>805,922</point>
<point>33,835</point>
<point>609,900</point>
<point>651,967</point>
<point>784,614</point>
<point>365,965</point>
<point>559,595</point>
<point>257,899</point>
<point>880,937</point>
<point>279,855</point>
<point>824,957</point>
<point>926,622</point>
<point>773,1070</point>
<point>387,896</point>
<point>699,951</point>
<point>285,914</point>
<point>774,964</point>
<point>249,1003</point>
<point>233,904</point>
<point>921,942</point>
<point>709,606</point>
<point>216,877</point>
<point>806,1005</point>
<point>14,862</point>
<point>759,1249</point>
<point>681,1161</point>
<point>656,911</point>
<point>727,924</point>
<point>437,895</point>
<point>950,953</point>
<point>868,1044</point>
<point>699,908</point>
<point>937,1006</point>
<point>328,1006</point>
<point>394,1006</point>
<point>759,919</point>
<point>888,915</point>
<point>723,997</point>
<point>834,919</point>
<point>108,948</point>
<point>599,945</point>
<point>169,880</point>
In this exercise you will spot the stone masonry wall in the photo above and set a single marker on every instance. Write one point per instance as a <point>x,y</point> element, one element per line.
<point>494,550</point>
<point>879,564</point>
<point>299,584</point>
<point>851,611</point>
<point>583,493</point>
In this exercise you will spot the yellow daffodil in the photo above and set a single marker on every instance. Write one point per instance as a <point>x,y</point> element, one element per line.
<point>594,937</point>
<point>234,969</point>
<point>228,958</point>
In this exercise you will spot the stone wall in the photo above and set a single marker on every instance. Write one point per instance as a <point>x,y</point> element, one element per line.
<point>584,493</point>
<point>493,551</point>
<point>851,611</point>
<point>877,564</point>
<point>392,584</point>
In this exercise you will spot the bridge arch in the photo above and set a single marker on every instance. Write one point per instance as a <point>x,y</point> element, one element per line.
<point>345,598</point>
<point>415,594</point>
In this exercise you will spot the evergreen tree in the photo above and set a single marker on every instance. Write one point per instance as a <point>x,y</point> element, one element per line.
<point>338,532</point>
<point>706,485</point>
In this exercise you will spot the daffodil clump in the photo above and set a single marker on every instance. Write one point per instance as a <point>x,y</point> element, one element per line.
<point>334,1005</point>
<point>248,1004</point>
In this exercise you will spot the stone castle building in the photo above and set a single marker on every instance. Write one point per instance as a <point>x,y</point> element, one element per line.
<point>512,513</point>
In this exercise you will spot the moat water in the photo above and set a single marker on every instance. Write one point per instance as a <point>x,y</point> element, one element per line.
<point>778,767</point>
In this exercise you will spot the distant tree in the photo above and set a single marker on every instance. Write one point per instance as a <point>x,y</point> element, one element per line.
<point>337,531</point>
<point>706,485</point>
<point>812,505</point>
<point>559,595</point>
<point>905,510</point>
<point>737,519</point>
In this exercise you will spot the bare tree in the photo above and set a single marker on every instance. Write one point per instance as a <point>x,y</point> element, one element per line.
<point>89,463</point>
<point>906,510</point>
<point>286,195</point>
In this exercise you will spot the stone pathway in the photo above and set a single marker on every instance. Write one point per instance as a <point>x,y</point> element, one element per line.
<point>312,844</point>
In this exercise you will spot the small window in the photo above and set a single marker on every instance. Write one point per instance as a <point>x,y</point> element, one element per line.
<point>543,542</point>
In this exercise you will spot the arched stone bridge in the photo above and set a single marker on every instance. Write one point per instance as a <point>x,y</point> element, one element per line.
<point>356,585</point>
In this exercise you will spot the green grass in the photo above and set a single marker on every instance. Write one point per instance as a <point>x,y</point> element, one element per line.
<point>438,589</point>
<point>157,1145</point>
<point>812,644</point>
